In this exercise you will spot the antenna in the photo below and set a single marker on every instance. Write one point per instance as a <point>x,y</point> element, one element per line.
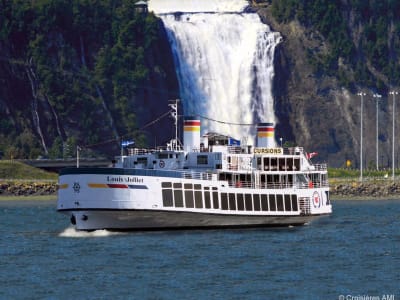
<point>174,106</point>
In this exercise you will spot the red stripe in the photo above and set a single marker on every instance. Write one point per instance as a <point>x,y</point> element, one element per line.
<point>192,123</point>
<point>117,186</point>
<point>265,129</point>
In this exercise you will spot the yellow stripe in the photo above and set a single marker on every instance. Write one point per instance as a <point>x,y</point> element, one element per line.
<point>265,134</point>
<point>191,128</point>
<point>97,185</point>
<point>63,186</point>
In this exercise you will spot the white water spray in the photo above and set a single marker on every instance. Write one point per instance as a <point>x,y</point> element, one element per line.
<point>224,61</point>
<point>71,232</point>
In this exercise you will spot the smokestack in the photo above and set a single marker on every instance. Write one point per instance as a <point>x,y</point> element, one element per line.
<point>266,135</point>
<point>191,134</point>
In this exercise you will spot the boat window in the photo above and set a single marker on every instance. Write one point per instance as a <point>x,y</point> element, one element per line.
<point>142,160</point>
<point>296,164</point>
<point>248,202</point>
<point>272,203</point>
<point>294,203</point>
<point>188,186</point>
<point>198,198</point>
<point>166,184</point>
<point>202,159</point>
<point>224,201</point>
<point>215,200</point>
<point>178,197</point>
<point>266,163</point>
<point>289,163</point>
<point>256,200</point>
<point>259,165</point>
<point>264,202</point>
<point>288,204</point>
<point>240,202</point>
<point>197,186</point>
<point>167,198</point>
<point>177,185</point>
<point>207,200</point>
<point>162,155</point>
<point>274,164</point>
<point>279,202</point>
<point>189,203</point>
<point>282,164</point>
<point>232,201</point>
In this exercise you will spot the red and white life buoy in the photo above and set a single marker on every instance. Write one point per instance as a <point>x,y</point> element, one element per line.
<point>316,199</point>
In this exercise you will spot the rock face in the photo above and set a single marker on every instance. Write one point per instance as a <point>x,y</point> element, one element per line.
<point>376,190</point>
<point>27,188</point>
<point>90,75</point>
<point>320,110</point>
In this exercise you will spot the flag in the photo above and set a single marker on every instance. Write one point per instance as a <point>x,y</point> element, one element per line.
<point>311,155</point>
<point>127,143</point>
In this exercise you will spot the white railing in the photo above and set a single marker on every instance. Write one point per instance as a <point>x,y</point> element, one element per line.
<point>305,205</point>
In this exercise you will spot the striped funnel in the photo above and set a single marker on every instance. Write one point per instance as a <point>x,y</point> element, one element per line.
<point>191,134</point>
<point>266,135</point>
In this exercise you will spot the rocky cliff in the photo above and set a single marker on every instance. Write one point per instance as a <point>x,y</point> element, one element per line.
<point>330,52</point>
<point>82,73</point>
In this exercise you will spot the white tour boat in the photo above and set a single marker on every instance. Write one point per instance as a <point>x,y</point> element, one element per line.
<point>214,182</point>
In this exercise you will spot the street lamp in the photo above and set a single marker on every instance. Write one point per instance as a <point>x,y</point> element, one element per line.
<point>394,93</point>
<point>361,134</point>
<point>377,97</point>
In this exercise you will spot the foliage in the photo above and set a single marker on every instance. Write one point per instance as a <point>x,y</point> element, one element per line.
<point>338,21</point>
<point>11,169</point>
<point>79,57</point>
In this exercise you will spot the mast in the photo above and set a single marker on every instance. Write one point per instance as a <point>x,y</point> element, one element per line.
<point>174,113</point>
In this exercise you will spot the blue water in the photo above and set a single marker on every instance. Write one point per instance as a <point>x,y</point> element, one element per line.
<point>356,251</point>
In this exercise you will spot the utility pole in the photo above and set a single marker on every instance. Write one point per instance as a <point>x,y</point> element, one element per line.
<point>377,97</point>
<point>394,93</point>
<point>361,94</point>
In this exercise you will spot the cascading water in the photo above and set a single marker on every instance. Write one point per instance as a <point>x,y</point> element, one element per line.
<point>224,61</point>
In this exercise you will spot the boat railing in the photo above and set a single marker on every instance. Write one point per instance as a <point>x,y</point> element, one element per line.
<point>276,185</point>
<point>293,150</point>
<point>320,167</point>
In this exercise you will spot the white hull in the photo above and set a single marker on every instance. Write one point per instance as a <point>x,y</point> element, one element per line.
<point>142,220</point>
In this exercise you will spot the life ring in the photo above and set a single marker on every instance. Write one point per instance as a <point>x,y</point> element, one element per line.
<point>161,164</point>
<point>310,184</point>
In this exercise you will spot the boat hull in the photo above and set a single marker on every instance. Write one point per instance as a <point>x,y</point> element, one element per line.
<point>153,220</point>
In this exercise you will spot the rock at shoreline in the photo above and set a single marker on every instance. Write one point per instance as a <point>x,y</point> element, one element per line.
<point>27,188</point>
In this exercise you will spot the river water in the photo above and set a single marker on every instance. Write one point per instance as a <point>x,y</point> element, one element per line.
<point>353,253</point>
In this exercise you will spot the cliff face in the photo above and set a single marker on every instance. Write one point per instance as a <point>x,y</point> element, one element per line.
<point>317,105</point>
<point>75,73</point>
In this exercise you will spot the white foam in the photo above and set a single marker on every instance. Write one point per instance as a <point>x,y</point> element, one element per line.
<point>170,6</point>
<point>73,233</point>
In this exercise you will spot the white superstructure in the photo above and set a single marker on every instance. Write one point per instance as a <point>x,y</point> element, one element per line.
<point>218,183</point>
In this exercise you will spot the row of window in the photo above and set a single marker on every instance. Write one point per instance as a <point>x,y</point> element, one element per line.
<point>193,196</point>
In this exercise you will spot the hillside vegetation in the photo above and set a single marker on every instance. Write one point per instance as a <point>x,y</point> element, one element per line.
<point>78,72</point>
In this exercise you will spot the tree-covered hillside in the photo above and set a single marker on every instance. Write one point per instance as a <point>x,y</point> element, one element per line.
<point>78,72</point>
<point>362,34</point>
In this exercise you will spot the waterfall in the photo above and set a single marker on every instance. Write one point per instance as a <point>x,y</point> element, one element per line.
<point>224,62</point>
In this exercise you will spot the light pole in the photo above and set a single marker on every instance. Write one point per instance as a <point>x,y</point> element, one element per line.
<point>394,93</point>
<point>361,134</point>
<point>377,97</point>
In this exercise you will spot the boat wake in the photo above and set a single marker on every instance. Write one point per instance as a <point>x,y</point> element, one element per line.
<point>72,232</point>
